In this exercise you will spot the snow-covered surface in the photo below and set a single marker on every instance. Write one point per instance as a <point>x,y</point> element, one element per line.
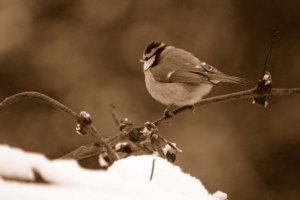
<point>126,179</point>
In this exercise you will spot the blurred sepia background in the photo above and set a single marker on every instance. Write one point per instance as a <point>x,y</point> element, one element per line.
<point>86,55</point>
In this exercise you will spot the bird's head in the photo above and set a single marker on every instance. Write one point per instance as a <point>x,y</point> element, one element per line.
<point>151,54</point>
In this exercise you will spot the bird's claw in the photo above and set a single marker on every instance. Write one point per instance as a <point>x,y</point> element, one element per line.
<point>193,108</point>
<point>169,115</point>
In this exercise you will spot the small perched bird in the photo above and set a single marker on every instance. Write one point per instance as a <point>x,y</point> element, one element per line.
<point>174,76</point>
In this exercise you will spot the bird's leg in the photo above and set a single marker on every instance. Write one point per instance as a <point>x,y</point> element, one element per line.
<point>168,113</point>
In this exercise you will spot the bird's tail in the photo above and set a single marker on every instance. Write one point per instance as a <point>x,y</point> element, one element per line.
<point>216,78</point>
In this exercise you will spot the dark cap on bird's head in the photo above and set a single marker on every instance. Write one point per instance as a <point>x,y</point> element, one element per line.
<point>154,48</point>
<point>151,46</point>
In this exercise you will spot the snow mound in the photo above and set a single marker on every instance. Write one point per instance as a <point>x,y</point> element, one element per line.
<point>126,179</point>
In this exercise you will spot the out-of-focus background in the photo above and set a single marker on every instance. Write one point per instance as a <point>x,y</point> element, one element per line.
<point>86,55</point>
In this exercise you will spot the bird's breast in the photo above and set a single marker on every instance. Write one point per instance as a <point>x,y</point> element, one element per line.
<point>179,94</point>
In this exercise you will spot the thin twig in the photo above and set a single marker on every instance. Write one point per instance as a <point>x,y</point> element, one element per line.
<point>114,115</point>
<point>152,169</point>
<point>84,151</point>
<point>269,52</point>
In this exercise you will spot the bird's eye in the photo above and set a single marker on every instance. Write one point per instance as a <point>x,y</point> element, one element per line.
<point>148,56</point>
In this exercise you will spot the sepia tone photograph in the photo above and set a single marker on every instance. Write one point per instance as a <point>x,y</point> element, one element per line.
<point>169,99</point>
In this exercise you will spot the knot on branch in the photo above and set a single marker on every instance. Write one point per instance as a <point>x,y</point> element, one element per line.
<point>104,161</point>
<point>170,152</point>
<point>164,148</point>
<point>145,138</point>
<point>264,86</point>
<point>125,125</point>
<point>141,134</point>
<point>123,147</point>
<point>83,121</point>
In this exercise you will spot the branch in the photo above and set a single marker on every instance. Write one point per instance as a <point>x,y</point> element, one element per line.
<point>38,96</point>
<point>145,137</point>
<point>251,93</point>
<point>89,128</point>
<point>92,150</point>
<point>84,151</point>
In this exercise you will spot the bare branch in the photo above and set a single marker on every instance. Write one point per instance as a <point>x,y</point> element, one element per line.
<point>251,93</point>
<point>59,106</point>
<point>91,150</point>
<point>269,52</point>
<point>41,97</point>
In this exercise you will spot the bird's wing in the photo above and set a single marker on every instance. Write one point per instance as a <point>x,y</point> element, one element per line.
<point>179,66</point>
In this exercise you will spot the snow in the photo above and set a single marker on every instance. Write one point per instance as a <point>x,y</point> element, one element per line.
<point>220,195</point>
<point>126,179</point>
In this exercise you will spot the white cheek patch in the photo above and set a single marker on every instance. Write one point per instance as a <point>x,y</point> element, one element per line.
<point>148,63</point>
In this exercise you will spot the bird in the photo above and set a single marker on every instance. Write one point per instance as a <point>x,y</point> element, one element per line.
<point>175,77</point>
